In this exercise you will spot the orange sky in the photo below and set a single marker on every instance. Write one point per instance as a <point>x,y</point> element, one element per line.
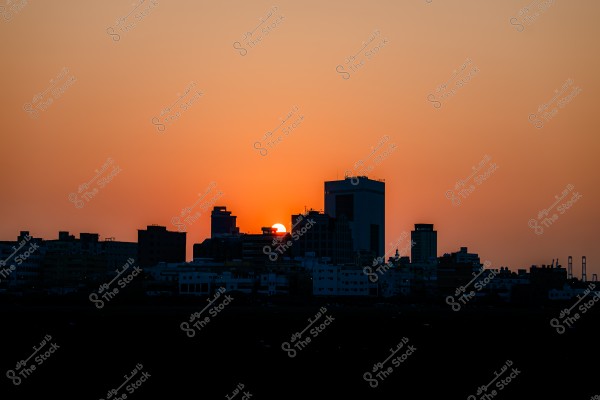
<point>118,87</point>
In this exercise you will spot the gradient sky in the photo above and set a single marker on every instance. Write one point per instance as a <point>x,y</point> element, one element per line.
<point>120,86</point>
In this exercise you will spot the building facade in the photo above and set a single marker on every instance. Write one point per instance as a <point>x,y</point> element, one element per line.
<point>362,202</point>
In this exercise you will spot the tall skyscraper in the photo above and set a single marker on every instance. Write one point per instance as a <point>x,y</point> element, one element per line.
<point>222,222</point>
<point>362,201</point>
<point>425,247</point>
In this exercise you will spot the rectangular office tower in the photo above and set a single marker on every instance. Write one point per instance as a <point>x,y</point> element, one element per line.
<point>424,251</point>
<point>362,201</point>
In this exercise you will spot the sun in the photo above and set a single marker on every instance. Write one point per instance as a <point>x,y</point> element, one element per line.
<point>280,227</point>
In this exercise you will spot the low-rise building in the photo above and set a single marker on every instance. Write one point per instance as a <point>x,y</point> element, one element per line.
<point>339,280</point>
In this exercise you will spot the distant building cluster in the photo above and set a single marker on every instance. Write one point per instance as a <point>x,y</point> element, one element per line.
<point>336,253</point>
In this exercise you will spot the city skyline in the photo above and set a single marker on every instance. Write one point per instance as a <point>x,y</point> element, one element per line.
<point>389,248</point>
<point>244,97</point>
<point>342,199</point>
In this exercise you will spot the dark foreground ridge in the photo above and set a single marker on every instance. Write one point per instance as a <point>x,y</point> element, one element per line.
<point>449,354</point>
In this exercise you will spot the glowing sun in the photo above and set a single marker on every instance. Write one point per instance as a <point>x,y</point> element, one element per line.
<point>280,227</point>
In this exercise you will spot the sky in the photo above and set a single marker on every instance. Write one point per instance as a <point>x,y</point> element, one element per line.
<point>166,108</point>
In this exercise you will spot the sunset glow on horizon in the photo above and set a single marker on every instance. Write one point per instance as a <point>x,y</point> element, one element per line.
<point>280,228</point>
<point>186,111</point>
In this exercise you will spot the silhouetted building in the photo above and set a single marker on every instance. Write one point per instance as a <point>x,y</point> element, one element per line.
<point>424,250</point>
<point>266,248</point>
<point>362,201</point>
<point>225,242</point>
<point>323,235</point>
<point>220,248</point>
<point>397,281</point>
<point>222,222</point>
<point>545,278</point>
<point>156,244</point>
<point>464,257</point>
<point>505,282</point>
<point>117,253</point>
<point>203,283</point>
<point>540,283</point>
<point>25,255</point>
<point>338,280</point>
<point>71,264</point>
<point>62,265</point>
<point>456,269</point>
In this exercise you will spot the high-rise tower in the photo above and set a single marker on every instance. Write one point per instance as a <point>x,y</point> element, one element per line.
<point>362,202</point>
